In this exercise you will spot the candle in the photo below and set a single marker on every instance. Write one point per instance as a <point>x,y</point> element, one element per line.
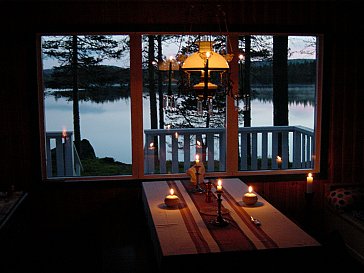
<point>279,161</point>
<point>197,159</point>
<point>250,198</point>
<point>219,185</point>
<point>171,200</point>
<point>151,146</point>
<point>309,183</point>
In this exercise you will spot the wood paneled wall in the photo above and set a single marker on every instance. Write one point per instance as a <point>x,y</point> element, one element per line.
<point>339,21</point>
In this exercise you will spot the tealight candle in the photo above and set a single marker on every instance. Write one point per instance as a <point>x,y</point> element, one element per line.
<point>171,200</point>
<point>219,185</point>
<point>309,183</point>
<point>250,198</point>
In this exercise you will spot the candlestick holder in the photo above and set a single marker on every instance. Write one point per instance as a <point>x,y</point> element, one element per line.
<point>208,185</point>
<point>197,188</point>
<point>219,221</point>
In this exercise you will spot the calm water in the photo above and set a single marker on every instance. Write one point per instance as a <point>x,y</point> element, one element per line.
<point>107,125</point>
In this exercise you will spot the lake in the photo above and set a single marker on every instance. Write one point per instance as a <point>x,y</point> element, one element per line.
<point>108,128</point>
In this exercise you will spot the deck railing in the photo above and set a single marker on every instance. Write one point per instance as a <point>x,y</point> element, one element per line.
<point>173,150</point>
<point>64,160</point>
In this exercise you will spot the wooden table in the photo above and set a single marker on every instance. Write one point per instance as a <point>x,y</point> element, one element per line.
<point>185,237</point>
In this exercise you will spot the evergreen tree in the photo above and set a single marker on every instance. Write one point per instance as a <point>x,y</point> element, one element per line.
<point>80,52</point>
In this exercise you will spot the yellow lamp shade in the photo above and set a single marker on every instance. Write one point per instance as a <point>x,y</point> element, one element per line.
<point>197,60</point>
<point>194,62</point>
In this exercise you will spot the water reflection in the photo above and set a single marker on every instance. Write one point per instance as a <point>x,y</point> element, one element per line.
<point>106,121</point>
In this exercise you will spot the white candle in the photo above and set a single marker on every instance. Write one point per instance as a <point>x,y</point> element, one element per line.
<point>171,199</point>
<point>309,183</point>
<point>250,198</point>
<point>219,185</point>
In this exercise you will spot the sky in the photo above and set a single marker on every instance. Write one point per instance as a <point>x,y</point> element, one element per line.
<point>300,48</point>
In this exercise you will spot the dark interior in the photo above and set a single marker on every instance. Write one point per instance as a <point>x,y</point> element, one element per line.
<point>100,226</point>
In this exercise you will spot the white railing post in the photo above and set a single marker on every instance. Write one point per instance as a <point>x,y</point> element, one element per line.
<point>254,151</point>
<point>274,150</point>
<point>285,150</point>
<point>297,142</point>
<point>162,153</point>
<point>222,151</point>
<point>68,155</point>
<point>264,150</point>
<point>60,156</point>
<point>64,153</point>
<point>300,153</point>
<point>243,151</point>
<point>175,168</point>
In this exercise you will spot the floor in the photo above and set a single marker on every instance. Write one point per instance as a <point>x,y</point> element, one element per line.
<point>109,244</point>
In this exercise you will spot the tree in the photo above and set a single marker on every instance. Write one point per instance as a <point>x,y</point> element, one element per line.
<point>74,53</point>
<point>280,84</point>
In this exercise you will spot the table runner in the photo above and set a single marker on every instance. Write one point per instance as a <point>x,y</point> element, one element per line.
<point>184,230</point>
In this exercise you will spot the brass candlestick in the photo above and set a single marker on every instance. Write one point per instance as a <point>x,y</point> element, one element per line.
<point>219,221</point>
<point>197,188</point>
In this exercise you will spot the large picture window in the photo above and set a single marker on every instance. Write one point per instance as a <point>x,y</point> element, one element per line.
<point>88,90</point>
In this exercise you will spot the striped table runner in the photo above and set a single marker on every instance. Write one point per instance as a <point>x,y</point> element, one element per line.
<point>188,229</point>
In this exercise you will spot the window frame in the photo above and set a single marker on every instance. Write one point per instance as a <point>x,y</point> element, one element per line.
<point>136,100</point>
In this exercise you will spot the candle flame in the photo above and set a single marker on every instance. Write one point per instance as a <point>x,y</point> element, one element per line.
<point>208,54</point>
<point>279,158</point>
<point>171,191</point>
<point>176,135</point>
<point>198,143</point>
<point>219,183</point>
<point>151,145</point>
<point>64,132</point>
<point>309,174</point>
<point>250,189</point>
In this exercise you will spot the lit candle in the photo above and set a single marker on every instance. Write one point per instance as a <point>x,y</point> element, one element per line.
<point>151,146</point>
<point>197,159</point>
<point>171,200</point>
<point>250,198</point>
<point>279,161</point>
<point>219,185</point>
<point>309,183</point>
<point>64,132</point>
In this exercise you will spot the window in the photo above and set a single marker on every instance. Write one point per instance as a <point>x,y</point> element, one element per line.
<point>90,129</point>
<point>277,113</point>
<point>86,105</point>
